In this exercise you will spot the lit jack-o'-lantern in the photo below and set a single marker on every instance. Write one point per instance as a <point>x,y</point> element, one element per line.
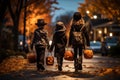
<point>31,57</point>
<point>50,60</point>
<point>88,53</point>
<point>68,55</point>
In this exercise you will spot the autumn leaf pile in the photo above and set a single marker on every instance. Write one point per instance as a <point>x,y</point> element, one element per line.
<point>12,64</point>
<point>106,71</point>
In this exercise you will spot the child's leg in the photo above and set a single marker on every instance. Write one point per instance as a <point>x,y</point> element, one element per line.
<point>59,62</point>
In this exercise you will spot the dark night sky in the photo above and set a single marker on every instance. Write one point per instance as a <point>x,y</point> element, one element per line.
<point>66,5</point>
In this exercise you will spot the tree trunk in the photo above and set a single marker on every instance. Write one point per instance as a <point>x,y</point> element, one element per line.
<point>3,8</point>
<point>15,32</point>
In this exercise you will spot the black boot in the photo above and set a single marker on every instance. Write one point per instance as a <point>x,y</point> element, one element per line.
<point>40,67</point>
<point>59,68</point>
<point>80,67</point>
<point>76,65</point>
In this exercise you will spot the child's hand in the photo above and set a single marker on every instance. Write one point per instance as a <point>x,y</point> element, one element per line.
<point>50,51</point>
<point>87,47</point>
<point>68,45</point>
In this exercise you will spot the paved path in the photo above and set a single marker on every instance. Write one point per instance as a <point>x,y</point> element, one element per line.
<point>91,71</point>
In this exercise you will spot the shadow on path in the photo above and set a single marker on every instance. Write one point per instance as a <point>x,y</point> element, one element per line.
<point>98,68</point>
<point>35,75</point>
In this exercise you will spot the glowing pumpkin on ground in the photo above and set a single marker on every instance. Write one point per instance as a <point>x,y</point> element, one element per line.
<point>31,57</point>
<point>88,53</point>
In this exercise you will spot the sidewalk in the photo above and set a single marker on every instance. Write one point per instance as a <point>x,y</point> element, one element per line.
<point>98,68</point>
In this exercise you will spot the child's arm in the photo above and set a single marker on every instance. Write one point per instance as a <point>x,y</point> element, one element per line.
<point>53,43</point>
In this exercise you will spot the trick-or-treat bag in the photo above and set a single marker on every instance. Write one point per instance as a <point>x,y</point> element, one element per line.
<point>68,55</point>
<point>49,59</point>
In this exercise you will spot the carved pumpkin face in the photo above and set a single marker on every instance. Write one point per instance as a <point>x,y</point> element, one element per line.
<point>68,55</point>
<point>88,54</point>
<point>50,60</point>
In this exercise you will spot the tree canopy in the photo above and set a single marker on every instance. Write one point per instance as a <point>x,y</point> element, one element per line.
<point>13,10</point>
<point>107,8</point>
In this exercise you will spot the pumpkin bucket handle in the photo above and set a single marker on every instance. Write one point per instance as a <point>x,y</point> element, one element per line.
<point>49,54</point>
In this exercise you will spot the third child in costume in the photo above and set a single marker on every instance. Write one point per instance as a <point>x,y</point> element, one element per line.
<point>59,42</point>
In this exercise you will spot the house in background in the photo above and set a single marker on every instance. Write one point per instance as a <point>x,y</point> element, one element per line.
<point>102,28</point>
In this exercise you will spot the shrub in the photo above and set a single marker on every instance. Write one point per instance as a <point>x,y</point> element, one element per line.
<point>7,53</point>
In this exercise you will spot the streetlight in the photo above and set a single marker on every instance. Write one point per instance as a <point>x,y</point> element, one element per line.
<point>87,12</point>
<point>95,16</point>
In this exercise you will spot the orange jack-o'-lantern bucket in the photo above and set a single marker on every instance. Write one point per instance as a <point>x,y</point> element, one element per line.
<point>88,53</point>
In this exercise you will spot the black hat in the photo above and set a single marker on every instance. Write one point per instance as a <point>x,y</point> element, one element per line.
<point>40,22</point>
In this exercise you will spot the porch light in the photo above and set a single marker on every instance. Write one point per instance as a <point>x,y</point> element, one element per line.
<point>100,32</point>
<point>111,34</point>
